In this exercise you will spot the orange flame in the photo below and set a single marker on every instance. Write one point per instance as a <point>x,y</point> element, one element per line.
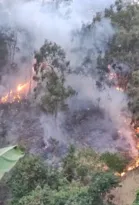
<point>119,89</point>
<point>137,130</point>
<point>21,87</point>
<point>132,166</point>
<point>16,95</point>
<point>112,76</point>
<point>123,174</point>
<point>135,163</point>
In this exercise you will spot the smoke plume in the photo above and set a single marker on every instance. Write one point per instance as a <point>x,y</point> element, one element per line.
<point>93,117</point>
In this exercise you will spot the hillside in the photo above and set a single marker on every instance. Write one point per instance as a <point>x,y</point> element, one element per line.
<point>69,98</point>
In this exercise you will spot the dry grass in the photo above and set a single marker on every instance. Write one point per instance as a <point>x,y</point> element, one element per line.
<point>126,194</point>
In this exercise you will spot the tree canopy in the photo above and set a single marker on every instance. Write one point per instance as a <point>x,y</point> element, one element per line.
<point>33,182</point>
<point>50,68</point>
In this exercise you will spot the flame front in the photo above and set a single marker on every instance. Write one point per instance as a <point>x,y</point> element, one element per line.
<point>21,90</point>
<point>132,166</point>
<point>119,89</point>
<point>15,96</point>
<point>135,163</point>
<point>113,76</point>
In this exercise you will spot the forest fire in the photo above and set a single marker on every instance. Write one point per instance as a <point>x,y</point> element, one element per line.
<point>115,79</point>
<point>119,89</point>
<point>132,166</point>
<point>21,90</point>
<point>137,130</point>
<point>15,95</point>
<point>135,162</point>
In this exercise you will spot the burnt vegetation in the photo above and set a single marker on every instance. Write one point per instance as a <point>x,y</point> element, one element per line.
<point>54,172</point>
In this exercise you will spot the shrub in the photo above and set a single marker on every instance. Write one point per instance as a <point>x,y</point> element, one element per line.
<point>114,161</point>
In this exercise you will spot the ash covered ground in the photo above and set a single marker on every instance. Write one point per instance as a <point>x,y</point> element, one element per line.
<point>93,128</point>
<point>94,118</point>
<point>90,126</point>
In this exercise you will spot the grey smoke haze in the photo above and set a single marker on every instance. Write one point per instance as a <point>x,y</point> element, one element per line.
<point>57,25</point>
<point>116,114</point>
<point>33,22</point>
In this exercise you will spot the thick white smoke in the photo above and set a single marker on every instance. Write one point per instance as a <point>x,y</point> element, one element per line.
<point>43,20</point>
<point>49,22</point>
<point>34,21</point>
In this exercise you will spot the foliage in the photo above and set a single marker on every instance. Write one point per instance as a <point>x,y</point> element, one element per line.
<point>53,54</point>
<point>34,183</point>
<point>73,194</point>
<point>56,94</point>
<point>88,161</point>
<point>100,185</point>
<point>115,162</point>
<point>67,195</point>
<point>70,164</point>
<point>38,196</point>
<point>51,67</point>
<point>136,202</point>
<point>133,93</point>
<point>124,45</point>
<point>31,172</point>
<point>79,164</point>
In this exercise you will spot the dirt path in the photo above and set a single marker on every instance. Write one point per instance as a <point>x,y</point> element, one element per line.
<point>126,194</point>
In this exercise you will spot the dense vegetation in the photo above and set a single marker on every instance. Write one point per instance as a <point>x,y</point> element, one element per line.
<point>81,179</point>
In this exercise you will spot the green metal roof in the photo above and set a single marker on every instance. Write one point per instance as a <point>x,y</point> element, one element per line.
<point>8,158</point>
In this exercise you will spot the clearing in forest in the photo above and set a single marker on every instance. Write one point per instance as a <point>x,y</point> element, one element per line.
<point>126,194</point>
